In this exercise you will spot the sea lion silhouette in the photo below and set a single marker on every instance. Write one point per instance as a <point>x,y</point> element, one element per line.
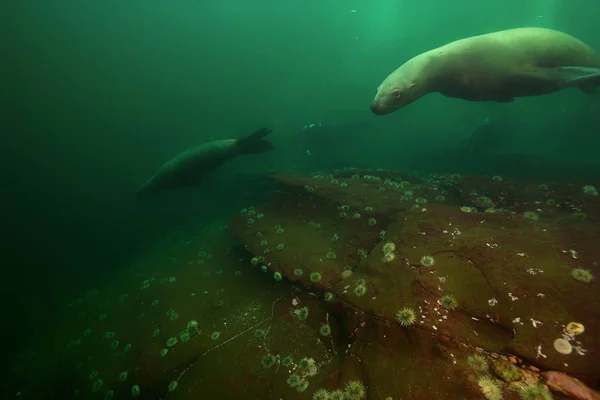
<point>191,166</point>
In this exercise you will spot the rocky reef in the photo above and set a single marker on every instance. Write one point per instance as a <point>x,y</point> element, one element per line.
<point>355,284</point>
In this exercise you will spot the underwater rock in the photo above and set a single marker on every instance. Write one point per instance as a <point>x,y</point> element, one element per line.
<point>571,387</point>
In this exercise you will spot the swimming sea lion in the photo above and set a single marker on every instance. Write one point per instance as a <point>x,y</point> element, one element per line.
<point>493,67</point>
<point>189,167</point>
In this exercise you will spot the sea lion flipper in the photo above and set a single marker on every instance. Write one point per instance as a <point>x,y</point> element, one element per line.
<point>587,79</point>
<point>254,143</point>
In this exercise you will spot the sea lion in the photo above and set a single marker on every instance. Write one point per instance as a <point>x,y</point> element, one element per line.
<point>496,66</point>
<point>191,166</point>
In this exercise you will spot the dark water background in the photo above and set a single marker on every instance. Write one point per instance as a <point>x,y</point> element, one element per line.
<point>96,95</point>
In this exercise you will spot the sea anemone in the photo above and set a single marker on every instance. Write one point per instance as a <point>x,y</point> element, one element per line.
<point>215,335</point>
<point>192,327</point>
<point>315,277</point>
<point>325,330</point>
<point>337,395</point>
<point>298,272</point>
<point>427,261</point>
<point>259,333</point>
<point>448,302</point>
<point>531,215</point>
<point>360,290</point>
<point>268,360</point>
<point>490,388</point>
<point>287,361</point>
<point>184,336</point>
<point>307,367</point>
<point>302,386</point>
<point>331,255</point>
<point>135,391</point>
<point>389,247</point>
<point>321,394</point>
<point>294,380</point>
<point>277,276</point>
<point>97,385</point>
<point>406,316</point>
<point>582,275</point>
<point>535,391</point>
<point>478,363</point>
<point>301,313</point>
<point>355,390</point>
<point>328,296</point>
<point>172,342</point>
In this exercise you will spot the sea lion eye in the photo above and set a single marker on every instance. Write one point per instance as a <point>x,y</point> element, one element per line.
<point>397,94</point>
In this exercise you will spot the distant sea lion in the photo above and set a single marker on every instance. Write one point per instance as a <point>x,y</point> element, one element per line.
<point>189,167</point>
<point>493,67</point>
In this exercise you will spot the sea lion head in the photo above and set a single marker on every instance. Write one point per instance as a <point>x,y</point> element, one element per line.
<point>400,88</point>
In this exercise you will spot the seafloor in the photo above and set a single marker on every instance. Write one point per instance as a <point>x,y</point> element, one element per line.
<point>302,293</point>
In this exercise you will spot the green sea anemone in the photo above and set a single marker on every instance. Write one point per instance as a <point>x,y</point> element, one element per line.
<point>331,255</point>
<point>531,215</point>
<point>315,277</point>
<point>172,341</point>
<point>325,330</point>
<point>302,386</point>
<point>337,395</point>
<point>406,317</point>
<point>135,391</point>
<point>287,361</point>
<point>215,335</point>
<point>294,380</point>
<point>301,313</point>
<point>427,261</point>
<point>354,390</point>
<point>535,391</point>
<point>277,276</point>
<point>268,360</point>
<point>490,388</point>
<point>328,296</point>
<point>360,290</point>
<point>184,336</point>
<point>321,394</point>
<point>448,302</point>
<point>582,275</point>
<point>259,333</point>
<point>97,385</point>
<point>172,386</point>
<point>478,363</point>
<point>298,272</point>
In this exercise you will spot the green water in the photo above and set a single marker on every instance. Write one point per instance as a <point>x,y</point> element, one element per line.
<point>97,95</point>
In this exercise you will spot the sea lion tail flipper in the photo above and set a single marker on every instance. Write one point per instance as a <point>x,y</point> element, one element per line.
<point>586,78</point>
<point>255,143</point>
